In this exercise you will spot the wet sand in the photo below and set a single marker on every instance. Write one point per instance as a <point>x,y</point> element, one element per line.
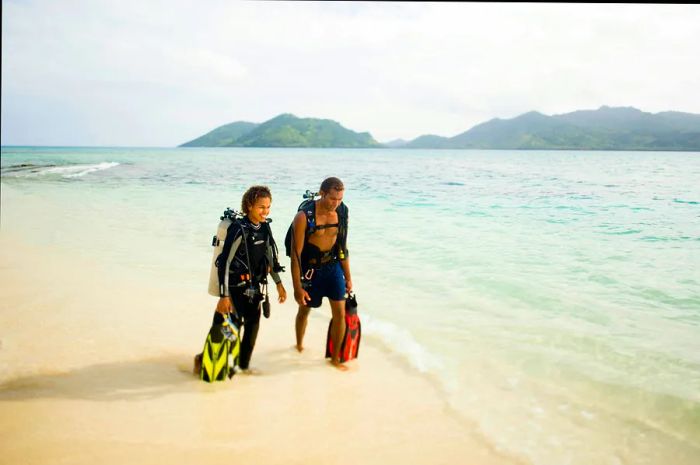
<point>95,366</point>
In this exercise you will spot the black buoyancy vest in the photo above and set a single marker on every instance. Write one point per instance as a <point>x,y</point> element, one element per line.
<point>309,208</point>
<point>253,250</point>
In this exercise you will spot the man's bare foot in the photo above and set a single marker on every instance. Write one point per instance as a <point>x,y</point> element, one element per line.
<point>250,371</point>
<point>339,365</point>
<point>299,348</point>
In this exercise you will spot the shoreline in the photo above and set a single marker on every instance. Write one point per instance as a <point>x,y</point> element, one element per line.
<point>115,384</point>
<point>492,149</point>
<point>104,301</point>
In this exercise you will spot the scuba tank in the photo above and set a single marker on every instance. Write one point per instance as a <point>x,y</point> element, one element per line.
<point>218,243</point>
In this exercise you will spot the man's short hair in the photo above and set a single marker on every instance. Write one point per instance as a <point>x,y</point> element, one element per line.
<point>332,183</point>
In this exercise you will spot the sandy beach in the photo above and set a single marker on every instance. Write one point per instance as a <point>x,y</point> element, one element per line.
<point>95,367</point>
<point>485,353</point>
<point>522,231</point>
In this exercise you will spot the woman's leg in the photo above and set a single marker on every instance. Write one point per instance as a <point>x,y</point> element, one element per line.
<point>250,314</point>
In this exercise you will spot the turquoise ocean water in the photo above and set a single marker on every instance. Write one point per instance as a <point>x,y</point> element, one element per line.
<point>553,297</point>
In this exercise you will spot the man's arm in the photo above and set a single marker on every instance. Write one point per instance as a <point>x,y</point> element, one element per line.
<point>298,236</point>
<point>345,264</point>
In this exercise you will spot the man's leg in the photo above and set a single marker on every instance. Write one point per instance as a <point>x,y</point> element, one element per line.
<point>300,326</point>
<point>337,331</point>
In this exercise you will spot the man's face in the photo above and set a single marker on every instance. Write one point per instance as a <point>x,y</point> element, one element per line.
<point>331,199</point>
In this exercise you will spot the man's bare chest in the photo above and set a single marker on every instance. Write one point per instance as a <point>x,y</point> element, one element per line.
<point>326,225</point>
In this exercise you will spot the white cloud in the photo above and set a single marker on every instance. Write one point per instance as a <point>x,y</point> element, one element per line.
<point>159,73</point>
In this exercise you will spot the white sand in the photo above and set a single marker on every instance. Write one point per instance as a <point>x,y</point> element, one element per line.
<point>95,368</point>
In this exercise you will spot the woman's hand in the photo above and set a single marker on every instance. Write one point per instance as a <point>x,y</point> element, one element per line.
<point>281,293</point>
<point>224,305</point>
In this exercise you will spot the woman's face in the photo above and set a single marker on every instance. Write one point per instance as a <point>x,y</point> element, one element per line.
<point>258,212</point>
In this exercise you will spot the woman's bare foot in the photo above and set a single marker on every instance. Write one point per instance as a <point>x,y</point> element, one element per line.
<point>197,364</point>
<point>338,365</point>
<point>299,348</point>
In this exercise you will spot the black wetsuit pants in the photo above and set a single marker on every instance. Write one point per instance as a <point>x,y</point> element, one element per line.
<point>249,313</point>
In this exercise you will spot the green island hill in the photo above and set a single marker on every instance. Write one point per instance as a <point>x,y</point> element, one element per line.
<point>607,128</point>
<point>285,130</point>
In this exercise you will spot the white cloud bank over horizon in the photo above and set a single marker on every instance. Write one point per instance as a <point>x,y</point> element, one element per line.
<point>160,73</point>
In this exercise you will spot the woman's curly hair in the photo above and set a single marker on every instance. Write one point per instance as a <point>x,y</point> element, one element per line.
<point>252,195</point>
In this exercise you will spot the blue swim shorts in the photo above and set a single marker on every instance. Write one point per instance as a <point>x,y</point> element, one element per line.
<point>327,281</point>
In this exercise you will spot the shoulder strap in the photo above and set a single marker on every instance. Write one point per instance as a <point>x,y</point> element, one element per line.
<point>237,227</point>
<point>342,213</point>
<point>245,245</point>
<point>343,227</point>
<point>271,241</point>
<point>309,208</point>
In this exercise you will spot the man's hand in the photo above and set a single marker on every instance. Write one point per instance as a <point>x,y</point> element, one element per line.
<point>224,305</point>
<point>302,297</point>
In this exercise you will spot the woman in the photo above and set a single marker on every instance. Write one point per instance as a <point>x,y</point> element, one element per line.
<point>248,256</point>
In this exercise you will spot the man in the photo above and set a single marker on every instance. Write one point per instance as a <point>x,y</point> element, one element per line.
<point>320,264</point>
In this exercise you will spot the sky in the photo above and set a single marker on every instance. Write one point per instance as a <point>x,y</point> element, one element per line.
<point>160,73</point>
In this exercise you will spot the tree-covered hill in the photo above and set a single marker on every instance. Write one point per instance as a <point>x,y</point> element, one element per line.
<point>285,130</point>
<point>223,136</point>
<point>607,128</point>
<point>622,128</point>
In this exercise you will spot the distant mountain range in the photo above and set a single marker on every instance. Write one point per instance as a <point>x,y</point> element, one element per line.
<point>607,128</point>
<point>285,130</point>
